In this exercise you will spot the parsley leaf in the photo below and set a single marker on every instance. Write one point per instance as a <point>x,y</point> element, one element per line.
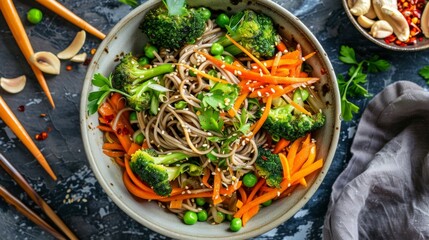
<point>353,86</point>
<point>424,73</point>
<point>221,96</point>
<point>210,119</point>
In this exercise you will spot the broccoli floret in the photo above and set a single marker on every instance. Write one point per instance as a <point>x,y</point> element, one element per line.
<point>154,169</point>
<point>268,166</point>
<point>173,25</point>
<point>254,31</point>
<point>135,81</point>
<point>284,122</point>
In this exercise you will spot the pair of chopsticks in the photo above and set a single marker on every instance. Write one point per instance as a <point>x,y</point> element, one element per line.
<point>14,22</point>
<point>9,198</point>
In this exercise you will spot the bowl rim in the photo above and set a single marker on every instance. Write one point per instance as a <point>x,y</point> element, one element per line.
<point>257,231</point>
<point>380,42</point>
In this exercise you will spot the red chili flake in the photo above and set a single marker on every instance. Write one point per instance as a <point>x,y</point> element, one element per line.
<point>109,118</point>
<point>125,131</point>
<point>87,61</point>
<point>119,131</point>
<point>264,158</point>
<point>42,136</point>
<point>21,108</point>
<point>69,67</point>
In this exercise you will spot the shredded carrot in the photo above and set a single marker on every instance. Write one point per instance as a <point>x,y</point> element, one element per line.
<point>196,71</point>
<point>136,191</point>
<point>276,63</point>
<point>243,194</point>
<point>113,154</point>
<point>247,74</point>
<point>301,157</point>
<point>133,148</point>
<point>113,146</point>
<point>117,101</point>
<point>297,106</point>
<point>270,63</point>
<point>307,140</point>
<point>119,161</point>
<point>307,171</point>
<point>105,128</point>
<point>285,166</point>
<point>239,204</point>
<point>293,150</point>
<point>238,103</point>
<point>145,145</point>
<point>248,215</point>
<point>311,157</point>
<point>264,117</point>
<point>71,17</point>
<point>216,187</point>
<point>256,60</point>
<point>176,204</point>
<point>303,182</point>
<point>292,87</point>
<point>281,46</point>
<point>255,189</point>
<point>134,178</point>
<point>281,145</point>
<point>288,191</point>
<point>269,90</point>
<point>309,55</point>
<point>206,177</point>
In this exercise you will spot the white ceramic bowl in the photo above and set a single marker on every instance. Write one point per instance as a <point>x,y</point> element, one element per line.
<point>126,37</point>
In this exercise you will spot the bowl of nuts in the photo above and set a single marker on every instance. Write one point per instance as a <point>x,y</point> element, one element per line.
<point>400,25</point>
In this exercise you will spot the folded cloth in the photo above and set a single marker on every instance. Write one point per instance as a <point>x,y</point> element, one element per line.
<point>384,191</point>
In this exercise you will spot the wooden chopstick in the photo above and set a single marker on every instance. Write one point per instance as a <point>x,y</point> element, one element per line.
<point>14,22</point>
<point>6,165</point>
<point>13,123</point>
<point>22,208</point>
<point>62,11</point>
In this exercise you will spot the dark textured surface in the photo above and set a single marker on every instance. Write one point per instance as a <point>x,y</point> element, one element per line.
<point>76,196</point>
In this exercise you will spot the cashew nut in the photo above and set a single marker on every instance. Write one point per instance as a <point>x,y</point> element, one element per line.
<point>425,21</point>
<point>378,4</point>
<point>74,47</point>
<point>398,22</point>
<point>47,62</point>
<point>381,29</point>
<point>360,7</point>
<point>371,13</point>
<point>80,58</point>
<point>13,85</point>
<point>365,22</point>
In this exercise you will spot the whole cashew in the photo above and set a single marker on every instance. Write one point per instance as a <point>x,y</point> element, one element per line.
<point>425,21</point>
<point>398,22</point>
<point>378,4</point>
<point>360,7</point>
<point>381,29</point>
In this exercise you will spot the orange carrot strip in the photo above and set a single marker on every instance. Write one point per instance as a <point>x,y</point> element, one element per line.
<point>293,150</point>
<point>297,106</point>
<point>71,17</point>
<point>264,117</point>
<point>248,215</point>
<point>303,182</point>
<point>216,187</point>
<point>281,145</point>
<point>276,63</point>
<point>287,192</point>
<point>203,73</point>
<point>307,171</point>
<point>239,204</point>
<point>255,189</point>
<point>307,140</point>
<point>117,101</point>
<point>113,154</point>
<point>266,91</point>
<point>230,189</point>
<point>292,87</point>
<point>133,148</point>
<point>272,62</point>
<point>311,157</point>
<point>285,166</point>
<point>119,161</point>
<point>301,157</point>
<point>243,195</point>
<point>135,179</point>
<point>281,46</point>
<point>264,69</point>
<point>292,55</point>
<point>105,128</point>
<point>136,191</point>
<point>238,103</point>
<point>113,146</point>
<point>13,123</point>
<point>14,22</point>
<point>176,204</point>
<point>206,177</point>
<point>247,74</point>
<point>309,55</point>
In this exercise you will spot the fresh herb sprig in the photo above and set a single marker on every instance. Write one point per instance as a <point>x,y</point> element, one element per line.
<point>353,86</point>
<point>424,73</point>
<point>132,3</point>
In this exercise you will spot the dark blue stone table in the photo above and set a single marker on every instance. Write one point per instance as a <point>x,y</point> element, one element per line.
<point>76,196</point>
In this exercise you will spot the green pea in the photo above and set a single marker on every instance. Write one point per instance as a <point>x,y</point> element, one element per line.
<point>192,73</point>
<point>267,203</point>
<point>220,217</point>
<point>205,12</point>
<point>228,59</point>
<point>212,72</point>
<point>202,215</point>
<point>235,224</point>
<point>219,57</point>
<point>133,116</point>
<point>139,139</point>
<point>222,20</point>
<point>149,51</point>
<point>190,218</point>
<point>200,201</point>
<point>216,49</point>
<point>34,16</point>
<point>143,61</point>
<point>249,179</point>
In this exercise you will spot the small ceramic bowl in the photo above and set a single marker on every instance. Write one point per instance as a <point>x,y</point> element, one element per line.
<point>422,43</point>
<point>127,37</point>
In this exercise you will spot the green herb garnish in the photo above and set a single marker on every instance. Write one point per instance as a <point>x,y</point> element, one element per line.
<point>424,73</point>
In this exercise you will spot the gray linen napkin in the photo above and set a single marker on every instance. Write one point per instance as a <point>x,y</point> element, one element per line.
<point>384,191</point>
